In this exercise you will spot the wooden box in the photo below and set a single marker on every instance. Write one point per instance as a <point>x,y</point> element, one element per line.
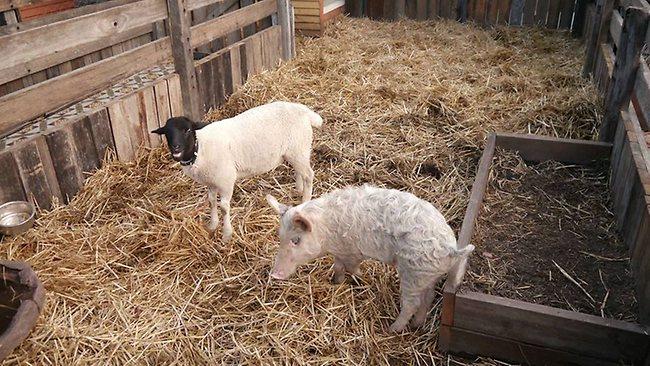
<point>312,15</point>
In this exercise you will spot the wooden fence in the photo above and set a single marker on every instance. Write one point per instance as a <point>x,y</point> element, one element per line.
<point>556,14</point>
<point>617,38</point>
<point>210,48</point>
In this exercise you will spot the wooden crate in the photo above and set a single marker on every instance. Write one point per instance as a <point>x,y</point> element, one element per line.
<point>518,331</point>
<point>311,16</point>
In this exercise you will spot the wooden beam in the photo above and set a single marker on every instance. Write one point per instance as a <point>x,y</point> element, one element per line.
<point>36,100</point>
<point>544,148</point>
<point>633,39</point>
<point>616,27</point>
<point>550,327</point>
<point>285,27</point>
<point>179,19</point>
<point>221,26</point>
<point>63,37</point>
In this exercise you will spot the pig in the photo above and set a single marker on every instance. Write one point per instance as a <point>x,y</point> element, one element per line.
<point>357,223</point>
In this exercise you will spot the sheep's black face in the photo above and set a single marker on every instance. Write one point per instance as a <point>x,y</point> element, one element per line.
<point>181,137</point>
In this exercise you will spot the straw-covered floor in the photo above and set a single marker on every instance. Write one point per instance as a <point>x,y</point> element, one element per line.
<point>134,277</point>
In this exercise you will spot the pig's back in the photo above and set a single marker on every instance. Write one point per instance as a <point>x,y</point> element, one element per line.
<point>390,225</point>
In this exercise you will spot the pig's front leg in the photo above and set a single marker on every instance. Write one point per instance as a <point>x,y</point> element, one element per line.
<point>341,266</point>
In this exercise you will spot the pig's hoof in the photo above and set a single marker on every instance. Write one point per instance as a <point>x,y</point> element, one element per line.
<point>338,279</point>
<point>226,237</point>
<point>417,321</point>
<point>397,328</point>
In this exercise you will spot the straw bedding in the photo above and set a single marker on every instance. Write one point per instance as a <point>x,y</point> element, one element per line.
<point>134,277</point>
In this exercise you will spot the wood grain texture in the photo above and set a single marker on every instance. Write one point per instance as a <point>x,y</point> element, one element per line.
<point>100,126</point>
<point>37,172</point>
<point>175,99</point>
<point>47,96</point>
<point>543,148</point>
<point>65,160</point>
<point>11,187</point>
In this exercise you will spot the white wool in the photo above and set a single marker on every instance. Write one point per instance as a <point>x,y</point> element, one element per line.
<point>253,142</point>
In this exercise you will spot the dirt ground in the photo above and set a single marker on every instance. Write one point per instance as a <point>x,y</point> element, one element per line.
<point>544,226</point>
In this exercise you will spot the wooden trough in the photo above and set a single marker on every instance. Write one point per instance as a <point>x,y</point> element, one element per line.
<point>519,331</point>
<point>21,298</point>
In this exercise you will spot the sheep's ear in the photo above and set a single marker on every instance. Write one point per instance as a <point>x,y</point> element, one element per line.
<point>277,206</point>
<point>301,221</point>
<point>160,131</point>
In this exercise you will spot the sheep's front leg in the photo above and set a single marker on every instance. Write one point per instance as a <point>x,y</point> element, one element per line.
<point>427,299</point>
<point>224,203</point>
<point>214,209</point>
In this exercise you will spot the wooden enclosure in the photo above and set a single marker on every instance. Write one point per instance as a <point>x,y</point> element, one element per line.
<point>311,16</point>
<point>519,331</point>
<point>79,83</point>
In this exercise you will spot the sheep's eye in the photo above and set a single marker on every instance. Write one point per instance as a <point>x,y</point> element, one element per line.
<point>296,240</point>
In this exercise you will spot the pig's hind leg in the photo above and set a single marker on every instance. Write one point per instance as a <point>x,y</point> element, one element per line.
<point>412,289</point>
<point>429,294</point>
<point>341,266</point>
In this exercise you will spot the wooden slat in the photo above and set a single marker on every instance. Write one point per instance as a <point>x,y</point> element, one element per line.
<point>11,187</point>
<point>131,118</point>
<point>492,12</point>
<point>583,19</point>
<point>196,4</point>
<point>235,66</point>
<point>147,108</point>
<point>566,13</point>
<point>219,27</point>
<point>63,37</point>
<point>421,9</point>
<point>504,11</point>
<point>175,99</point>
<point>624,75</point>
<point>467,342</point>
<point>641,96</point>
<point>306,4</point>
<point>36,171</point>
<point>31,12</point>
<point>36,100</point>
<point>163,110</point>
<point>553,14</point>
<point>529,12</point>
<point>308,19</point>
<point>67,159</point>
<point>549,327</point>
<point>307,26</point>
<point>100,126</point>
<point>434,9</point>
<point>228,86</point>
<point>541,12</point>
<point>543,148</point>
<point>205,85</point>
<point>308,11</point>
<point>616,26</point>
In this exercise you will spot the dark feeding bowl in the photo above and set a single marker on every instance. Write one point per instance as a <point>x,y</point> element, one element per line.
<point>21,300</point>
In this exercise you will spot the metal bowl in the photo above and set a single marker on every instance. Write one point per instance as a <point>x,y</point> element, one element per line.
<point>16,217</point>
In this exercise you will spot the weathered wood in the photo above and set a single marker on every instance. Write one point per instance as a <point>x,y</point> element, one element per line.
<point>196,4</point>
<point>616,27</point>
<point>553,14</point>
<point>285,26</point>
<point>100,126</point>
<point>175,98</point>
<point>504,11</point>
<point>131,118</point>
<point>11,187</point>
<point>566,13</point>
<point>543,148</point>
<point>179,19</point>
<point>163,110</point>
<point>549,327</point>
<point>36,171</point>
<point>598,34</point>
<point>529,12</point>
<point>420,9</point>
<point>69,172</point>
<point>641,96</point>
<point>541,12</point>
<point>47,96</point>
<point>434,9</point>
<point>464,342</point>
<point>228,86</point>
<point>221,26</point>
<point>627,61</point>
<point>580,18</point>
<point>63,37</point>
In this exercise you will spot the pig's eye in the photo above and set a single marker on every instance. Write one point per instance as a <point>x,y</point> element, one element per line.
<point>296,240</point>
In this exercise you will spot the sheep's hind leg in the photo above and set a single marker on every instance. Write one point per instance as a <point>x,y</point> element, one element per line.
<point>306,174</point>
<point>412,289</point>
<point>214,209</point>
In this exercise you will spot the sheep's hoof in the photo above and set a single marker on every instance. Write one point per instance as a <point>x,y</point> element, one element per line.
<point>226,237</point>
<point>418,321</point>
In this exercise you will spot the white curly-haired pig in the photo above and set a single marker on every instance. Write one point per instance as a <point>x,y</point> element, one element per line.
<point>357,223</point>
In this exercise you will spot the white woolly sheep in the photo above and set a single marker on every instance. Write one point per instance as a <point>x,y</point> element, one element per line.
<point>388,225</point>
<point>251,143</point>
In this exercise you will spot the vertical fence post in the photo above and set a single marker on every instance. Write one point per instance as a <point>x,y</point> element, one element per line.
<point>292,26</point>
<point>179,27</point>
<point>462,10</point>
<point>598,32</point>
<point>400,9</point>
<point>285,24</point>
<point>628,57</point>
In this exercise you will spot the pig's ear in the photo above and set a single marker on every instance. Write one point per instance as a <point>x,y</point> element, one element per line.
<point>302,221</point>
<point>277,206</point>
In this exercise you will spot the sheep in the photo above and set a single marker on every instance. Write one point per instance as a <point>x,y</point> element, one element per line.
<point>357,223</point>
<point>251,143</point>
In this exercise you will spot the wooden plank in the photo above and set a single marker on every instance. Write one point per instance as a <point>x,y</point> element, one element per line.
<point>471,213</point>
<point>641,96</point>
<point>124,117</point>
<point>434,9</point>
<point>308,19</point>
<point>180,33</point>
<point>196,4</point>
<point>228,87</point>
<point>632,218</point>
<point>566,13</point>
<point>308,11</point>
<point>148,116</point>
<point>306,4</point>
<point>504,11</point>
<point>529,12</point>
<point>616,26</point>
<point>541,12</point>
<point>553,14</point>
<point>175,99</point>
<point>625,69</point>
<point>550,327</point>
<point>598,34</point>
<point>421,9</point>
<point>235,67</point>
<point>543,148</point>
<point>219,81</point>
<point>584,12</point>
<point>36,171</point>
<point>31,12</point>
<point>466,342</point>
<point>620,139</point>
<point>244,62</point>
<point>163,110</point>
<point>100,126</point>
<point>206,82</point>
<point>221,26</point>
<point>492,12</point>
<point>11,186</point>
<point>63,38</point>
<point>39,99</point>
<point>640,262</point>
<point>69,172</point>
